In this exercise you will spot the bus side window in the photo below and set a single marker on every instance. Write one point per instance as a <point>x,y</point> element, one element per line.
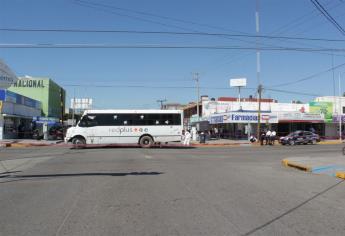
<point>88,121</point>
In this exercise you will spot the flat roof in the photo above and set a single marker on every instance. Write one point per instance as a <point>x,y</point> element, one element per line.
<point>133,111</point>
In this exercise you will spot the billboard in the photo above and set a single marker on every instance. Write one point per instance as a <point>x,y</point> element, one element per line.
<point>325,108</point>
<point>7,77</point>
<point>239,82</point>
<point>81,103</point>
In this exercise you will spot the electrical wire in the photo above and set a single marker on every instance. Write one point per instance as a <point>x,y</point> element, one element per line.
<point>308,77</point>
<point>144,46</point>
<point>166,33</point>
<point>326,14</point>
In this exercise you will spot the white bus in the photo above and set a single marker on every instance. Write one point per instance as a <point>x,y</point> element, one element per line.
<point>143,127</point>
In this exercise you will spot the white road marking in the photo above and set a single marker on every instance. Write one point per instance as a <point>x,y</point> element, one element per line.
<point>148,157</point>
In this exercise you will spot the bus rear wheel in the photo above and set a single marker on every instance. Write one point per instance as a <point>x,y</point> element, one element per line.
<point>146,141</point>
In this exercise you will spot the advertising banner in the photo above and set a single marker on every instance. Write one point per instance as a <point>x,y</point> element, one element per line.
<point>301,117</point>
<point>325,108</point>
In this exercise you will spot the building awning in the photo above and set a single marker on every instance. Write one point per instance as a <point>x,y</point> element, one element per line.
<point>301,121</point>
<point>17,116</point>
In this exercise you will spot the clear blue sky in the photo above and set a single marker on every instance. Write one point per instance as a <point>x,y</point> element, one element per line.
<point>172,67</point>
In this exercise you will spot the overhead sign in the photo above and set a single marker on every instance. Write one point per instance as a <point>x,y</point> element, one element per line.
<point>325,108</point>
<point>243,117</point>
<point>239,82</point>
<point>299,116</point>
<point>7,77</point>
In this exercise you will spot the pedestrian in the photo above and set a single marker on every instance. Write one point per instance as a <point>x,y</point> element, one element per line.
<point>273,137</point>
<point>187,138</point>
<point>216,134</point>
<point>262,137</point>
<point>194,133</point>
<point>268,137</point>
<point>183,136</point>
<point>252,139</point>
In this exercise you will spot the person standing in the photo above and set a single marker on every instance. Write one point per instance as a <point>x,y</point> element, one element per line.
<point>268,137</point>
<point>187,137</point>
<point>273,137</point>
<point>183,136</point>
<point>262,137</point>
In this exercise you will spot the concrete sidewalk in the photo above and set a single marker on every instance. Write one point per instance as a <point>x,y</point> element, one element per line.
<point>221,142</point>
<point>28,142</point>
<point>332,165</point>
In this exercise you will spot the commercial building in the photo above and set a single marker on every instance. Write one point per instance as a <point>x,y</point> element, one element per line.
<point>16,114</point>
<point>51,95</point>
<point>238,119</point>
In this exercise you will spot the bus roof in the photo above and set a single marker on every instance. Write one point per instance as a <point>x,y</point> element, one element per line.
<point>132,111</point>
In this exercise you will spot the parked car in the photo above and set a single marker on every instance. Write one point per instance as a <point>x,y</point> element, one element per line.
<point>300,137</point>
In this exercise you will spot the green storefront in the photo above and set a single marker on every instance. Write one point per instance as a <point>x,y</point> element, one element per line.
<point>45,90</point>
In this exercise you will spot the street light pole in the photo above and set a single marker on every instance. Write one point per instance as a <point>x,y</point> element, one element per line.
<point>196,78</point>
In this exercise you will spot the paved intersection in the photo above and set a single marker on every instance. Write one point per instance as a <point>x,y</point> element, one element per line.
<point>200,191</point>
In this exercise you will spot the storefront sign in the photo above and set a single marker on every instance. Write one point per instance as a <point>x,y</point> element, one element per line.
<point>325,108</point>
<point>336,119</point>
<point>299,116</point>
<point>7,77</point>
<point>243,117</point>
<point>29,83</point>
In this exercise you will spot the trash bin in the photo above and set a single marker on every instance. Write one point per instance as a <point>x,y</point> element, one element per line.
<point>202,137</point>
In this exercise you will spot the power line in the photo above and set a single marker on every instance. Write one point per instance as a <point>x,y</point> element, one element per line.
<point>325,13</point>
<point>166,33</point>
<point>158,46</point>
<point>308,77</point>
<point>146,86</point>
<point>293,92</point>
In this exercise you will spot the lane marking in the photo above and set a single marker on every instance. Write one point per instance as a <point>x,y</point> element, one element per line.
<point>148,157</point>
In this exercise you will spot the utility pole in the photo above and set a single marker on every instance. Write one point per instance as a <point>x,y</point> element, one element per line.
<point>73,107</point>
<point>257,24</point>
<point>340,112</point>
<point>161,102</point>
<point>259,112</point>
<point>196,78</point>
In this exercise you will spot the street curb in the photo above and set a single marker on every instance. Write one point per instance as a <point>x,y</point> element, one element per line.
<point>288,163</point>
<point>220,144</point>
<point>330,142</point>
<point>340,174</point>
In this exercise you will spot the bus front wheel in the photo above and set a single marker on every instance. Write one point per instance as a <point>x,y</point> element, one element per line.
<point>78,142</point>
<point>146,142</point>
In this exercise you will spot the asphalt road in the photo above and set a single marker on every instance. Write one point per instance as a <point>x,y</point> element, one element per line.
<point>201,191</point>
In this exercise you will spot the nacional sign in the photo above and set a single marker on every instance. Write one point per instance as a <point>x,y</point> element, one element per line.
<point>243,117</point>
<point>7,77</point>
<point>29,83</point>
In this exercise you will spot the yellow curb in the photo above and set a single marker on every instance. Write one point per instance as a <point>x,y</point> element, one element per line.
<point>340,174</point>
<point>330,142</point>
<point>288,163</point>
<point>19,145</point>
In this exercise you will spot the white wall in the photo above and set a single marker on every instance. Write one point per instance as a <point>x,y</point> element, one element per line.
<point>212,107</point>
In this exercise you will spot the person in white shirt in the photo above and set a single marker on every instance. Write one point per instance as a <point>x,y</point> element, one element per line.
<point>273,137</point>
<point>268,137</point>
<point>187,137</point>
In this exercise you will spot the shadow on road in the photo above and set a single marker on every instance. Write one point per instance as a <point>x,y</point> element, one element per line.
<point>108,146</point>
<point>88,174</point>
